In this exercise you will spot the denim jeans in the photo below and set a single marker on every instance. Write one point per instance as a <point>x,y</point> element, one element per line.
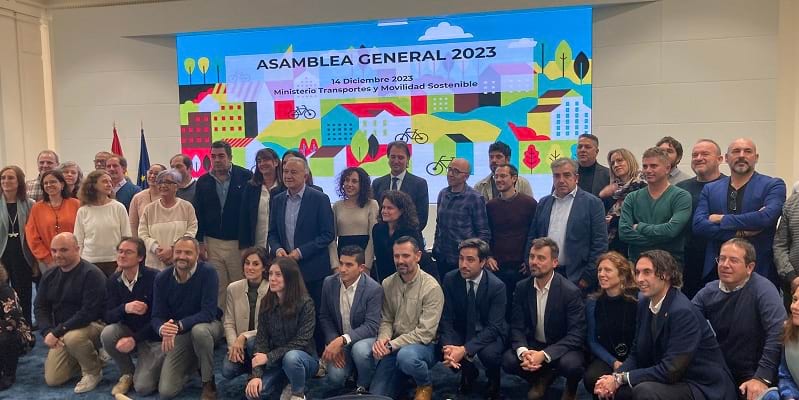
<point>414,360</point>
<point>232,369</point>
<point>297,366</point>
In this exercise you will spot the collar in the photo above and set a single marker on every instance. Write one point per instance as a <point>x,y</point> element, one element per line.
<point>547,286</point>
<point>415,278</point>
<point>725,289</point>
<point>119,185</point>
<point>299,194</point>
<point>655,308</point>
<point>354,285</point>
<point>229,173</point>
<point>674,171</point>
<point>122,278</point>
<point>466,188</point>
<point>479,278</point>
<point>400,176</point>
<point>191,273</point>
<point>573,194</point>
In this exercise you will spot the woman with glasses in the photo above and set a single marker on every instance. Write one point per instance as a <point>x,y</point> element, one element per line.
<point>165,220</point>
<point>354,215</point>
<point>143,198</point>
<point>15,207</point>
<point>625,178</point>
<point>265,183</point>
<point>73,175</point>
<point>101,222</point>
<point>54,214</point>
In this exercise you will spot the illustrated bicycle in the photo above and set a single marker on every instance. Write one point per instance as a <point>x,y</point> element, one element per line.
<point>303,111</point>
<point>439,167</point>
<point>415,135</point>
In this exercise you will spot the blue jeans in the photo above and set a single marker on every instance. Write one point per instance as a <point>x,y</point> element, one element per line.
<point>354,355</point>
<point>232,369</point>
<point>297,366</point>
<point>413,360</point>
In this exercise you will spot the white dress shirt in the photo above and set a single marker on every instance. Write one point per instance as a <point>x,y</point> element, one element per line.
<point>541,297</point>
<point>345,299</point>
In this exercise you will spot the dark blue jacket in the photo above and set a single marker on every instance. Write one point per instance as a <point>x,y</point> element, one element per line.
<point>118,295</point>
<point>490,298</point>
<point>684,349</point>
<point>364,312</point>
<point>192,302</point>
<point>313,233</point>
<point>564,319</point>
<point>413,186</point>
<point>586,234</point>
<point>762,204</point>
<point>212,220</point>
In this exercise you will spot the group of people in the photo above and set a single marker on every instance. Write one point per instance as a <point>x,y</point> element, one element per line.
<point>641,282</point>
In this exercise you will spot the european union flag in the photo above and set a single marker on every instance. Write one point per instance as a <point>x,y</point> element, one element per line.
<point>144,163</point>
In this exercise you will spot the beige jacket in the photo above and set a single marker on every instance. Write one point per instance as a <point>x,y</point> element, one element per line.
<point>237,310</point>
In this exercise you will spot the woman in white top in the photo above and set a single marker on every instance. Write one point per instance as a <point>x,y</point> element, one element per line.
<point>145,197</point>
<point>101,222</point>
<point>265,183</point>
<point>165,220</point>
<point>241,312</point>
<point>355,215</point>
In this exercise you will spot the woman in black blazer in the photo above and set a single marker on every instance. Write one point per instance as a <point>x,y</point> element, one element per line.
<point>266,182</point>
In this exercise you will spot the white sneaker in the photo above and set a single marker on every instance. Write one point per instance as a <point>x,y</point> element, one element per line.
<point>286,393</point>
<point>88,382</point>
<point>293,397</point>
<point>123,386</point>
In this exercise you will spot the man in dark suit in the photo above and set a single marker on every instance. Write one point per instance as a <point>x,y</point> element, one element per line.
<point>473,321</point>
<point>301,227</point>
<point>350,313</point>
<point>217,203</point>
<point>548,327</point>
<point>675,355</point>
<point>593,175</point>
<point>746,204</point>
<point>400,179</point>
<point>575,220</point>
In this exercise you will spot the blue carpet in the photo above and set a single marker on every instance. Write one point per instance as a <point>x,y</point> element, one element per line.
<point>30,383</point>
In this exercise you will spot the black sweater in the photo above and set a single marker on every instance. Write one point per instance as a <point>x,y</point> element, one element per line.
<point>70,300</point>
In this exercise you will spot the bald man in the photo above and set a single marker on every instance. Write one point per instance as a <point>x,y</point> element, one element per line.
<point>69,308</point>
<point>746,204</point>
<point>461,215</point>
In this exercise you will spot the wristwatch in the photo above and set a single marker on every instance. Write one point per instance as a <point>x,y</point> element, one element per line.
<point>619,377</point>
<point>344,338</point>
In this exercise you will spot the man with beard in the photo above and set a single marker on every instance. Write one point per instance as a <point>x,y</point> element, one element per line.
<point>499,154</point>
<point>746,204</point>
<point>186,316</point>
<point>399,178</point>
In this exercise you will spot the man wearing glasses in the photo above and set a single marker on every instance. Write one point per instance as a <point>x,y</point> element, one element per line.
<point>746,204</point>
<point>461,215</point>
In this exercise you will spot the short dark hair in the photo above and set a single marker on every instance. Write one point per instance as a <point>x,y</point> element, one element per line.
<point>673,143</point>
<point>750,255</point>
<point>400,144</point>
<point>184,159</point>
<point>408,239</point>
<point>221,144</point>
<point>56,173</point>
<point>354,251</point>
<point>666,267</point>
<point>593,138</point>
<point>513,170</point>
<point>542,242</point>
<point>483,250</point>
<point>122,160</point>
<point>141,248</point>
<point>500,147</point>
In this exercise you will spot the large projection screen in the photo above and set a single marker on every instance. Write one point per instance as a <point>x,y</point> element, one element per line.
<point>449,86</point>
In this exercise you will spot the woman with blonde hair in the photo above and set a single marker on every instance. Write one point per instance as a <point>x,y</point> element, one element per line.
<point>610,314</point>
<point>625,178</point>
<point>73,175</point>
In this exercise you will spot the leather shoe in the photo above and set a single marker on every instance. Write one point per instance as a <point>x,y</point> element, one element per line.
<point>468,378</point>
<point>493,392</point>
<point>424,393</point>
<point>209,390</point>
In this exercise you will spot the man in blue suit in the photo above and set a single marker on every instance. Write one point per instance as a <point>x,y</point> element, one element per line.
<point>746,204</point>
<point>676,356</point>
<point>547,331</point>
<point>398,155</point>
<point>301,227</point>
<point>473,321</point>
<point>350,312</point>
<point>575,220</point>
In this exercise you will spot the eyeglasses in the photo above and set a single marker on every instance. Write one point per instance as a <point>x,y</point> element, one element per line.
<point>454,171</point>
<point>167,183</point>
<point>730,260</point>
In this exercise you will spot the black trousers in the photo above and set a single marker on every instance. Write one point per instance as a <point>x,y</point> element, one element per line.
<point>657,391</point>
<point>315,292</point>
<point>569,366</point>
<point>596,369</point>
<point>20,276</point>
<point>491,358</point>
<point>9,355</point>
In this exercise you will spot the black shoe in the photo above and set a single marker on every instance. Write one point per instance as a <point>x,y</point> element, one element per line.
<point>360,391</point>
<point>6,382</point>
<point>468,378</point>
<point>493,392</point>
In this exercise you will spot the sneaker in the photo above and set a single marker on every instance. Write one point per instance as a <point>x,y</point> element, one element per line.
<point>120,396</point>
<point>123,386</point>
<point>297,397</point>
<point>286,393</point>
<point>88,382</point>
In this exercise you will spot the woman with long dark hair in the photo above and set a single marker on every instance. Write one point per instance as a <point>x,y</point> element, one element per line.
<point>265,183</point>
<point>625,178</point>
<point>16,338</point>
<point>284,345</point>
<point>354,215</point>
<point>54,214</point>
<point>398,218</point>
<point>611,315</point>
<point>15,207</point>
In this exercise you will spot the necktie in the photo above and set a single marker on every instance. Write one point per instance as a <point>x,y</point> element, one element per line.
<point>471,311</point>
<point>394,181</point>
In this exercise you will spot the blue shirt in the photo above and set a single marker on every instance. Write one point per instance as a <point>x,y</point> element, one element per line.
<point>222,188</point>
<point>293,202</point>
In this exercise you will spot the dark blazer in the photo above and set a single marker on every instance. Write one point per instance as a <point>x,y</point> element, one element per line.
<point>364,313</point>
<point>313,233</point>
<point>564,319</point>
<point>762,204</point>
<point>248,218</point>
<point>601,178</point>
<point>491,305</point>
<point>683,349</point>
<point>586,234</point>
<point>211,219</point>
<point>414,186</point>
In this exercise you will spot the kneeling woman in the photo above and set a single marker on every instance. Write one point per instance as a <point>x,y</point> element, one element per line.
<point>284,346</point>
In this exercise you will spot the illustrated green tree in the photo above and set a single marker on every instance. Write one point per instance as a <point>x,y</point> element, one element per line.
<point>188,65</point>
<point>563,52</point>
<point>203,63</point>
<point>359,145</point>
<point>581,66</point>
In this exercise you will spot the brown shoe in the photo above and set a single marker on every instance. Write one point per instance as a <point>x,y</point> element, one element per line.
<point>423,393</point>
<point>209,390</point>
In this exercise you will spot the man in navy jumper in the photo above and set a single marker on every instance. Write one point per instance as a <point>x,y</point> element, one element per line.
<point>186,316</point>
<point>747,315</point>
<point>124,190</point>
<point>128,310</point>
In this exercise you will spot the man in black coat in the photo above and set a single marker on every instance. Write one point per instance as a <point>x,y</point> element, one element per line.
<point>400,179</point>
